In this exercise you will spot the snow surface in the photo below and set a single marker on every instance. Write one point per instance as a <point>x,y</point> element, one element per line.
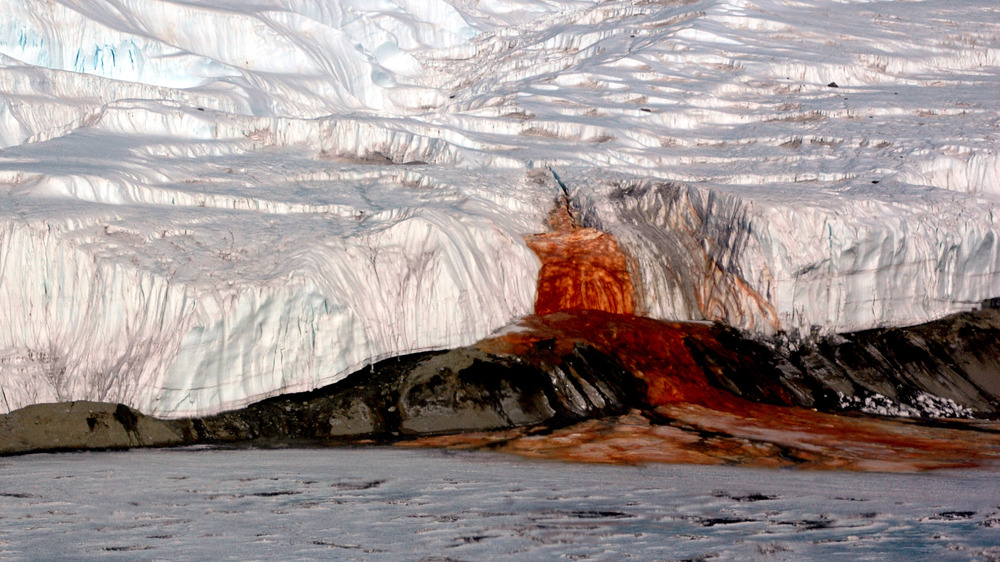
<point>205,203</point>
<point>923,405</point>
<point>384,504</point>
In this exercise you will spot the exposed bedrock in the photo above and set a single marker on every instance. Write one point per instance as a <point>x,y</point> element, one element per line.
<point>945,368</point>
<point>557,370</point>
<point>719,395</point>
<point>465,389</point>
<point>82,425</point>
<point>461,390</point>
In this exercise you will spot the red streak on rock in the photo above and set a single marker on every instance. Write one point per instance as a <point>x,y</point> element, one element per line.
<point>582,269</point>
<point>585,296</point>
<point>655,351</point>
<point>692,421</point>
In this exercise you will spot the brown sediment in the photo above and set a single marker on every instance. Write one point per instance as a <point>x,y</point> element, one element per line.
<point>582,269</point>
<point>688,420</point>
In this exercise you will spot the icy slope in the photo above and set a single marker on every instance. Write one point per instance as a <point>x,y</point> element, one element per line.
<point>777,165</point>
<point>204,203</point>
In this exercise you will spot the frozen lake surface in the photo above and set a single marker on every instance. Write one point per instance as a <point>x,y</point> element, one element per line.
<point>387,504</point>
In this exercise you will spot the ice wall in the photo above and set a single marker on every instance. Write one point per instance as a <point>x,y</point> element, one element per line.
<point>183,263</point>
<point>842,261</point>
<point>205,203</point>
<point>228,280</point>
<point>773,172</point>
<point>293,58</point>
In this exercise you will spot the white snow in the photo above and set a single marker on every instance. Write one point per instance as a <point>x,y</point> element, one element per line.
<point>384,504</point>
<point>205,203</point>
<point>922,405</point>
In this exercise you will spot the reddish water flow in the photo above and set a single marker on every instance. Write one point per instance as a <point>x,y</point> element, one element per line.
<point>585,296</point>
<point>688,420</point>
<point>582,269</point>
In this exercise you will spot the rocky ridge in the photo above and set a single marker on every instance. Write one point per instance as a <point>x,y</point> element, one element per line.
<point>566,371</point>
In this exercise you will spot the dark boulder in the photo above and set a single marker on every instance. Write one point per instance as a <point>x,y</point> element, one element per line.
<point>80,425</point>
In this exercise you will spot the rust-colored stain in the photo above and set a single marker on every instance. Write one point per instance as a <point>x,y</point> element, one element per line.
<point>582,269</point>
<point>690,421</point>
<point>585,296</point>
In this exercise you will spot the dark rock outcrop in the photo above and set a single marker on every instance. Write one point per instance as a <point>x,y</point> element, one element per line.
<point>565,368</point>
<point>433,393</point>
<point>946,368</point>
<point>460,390</point>
<point>78,425</point>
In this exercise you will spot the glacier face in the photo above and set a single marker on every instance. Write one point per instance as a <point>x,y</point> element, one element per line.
<point>206,203</point>
<point>246,274</point>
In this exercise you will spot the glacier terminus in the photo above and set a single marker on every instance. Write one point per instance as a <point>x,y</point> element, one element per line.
<point>207,203</point>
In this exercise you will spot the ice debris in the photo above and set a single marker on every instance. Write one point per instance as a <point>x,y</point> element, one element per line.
<point>923,405</point>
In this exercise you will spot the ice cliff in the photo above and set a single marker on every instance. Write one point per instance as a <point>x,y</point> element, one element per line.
<point>206,203</point>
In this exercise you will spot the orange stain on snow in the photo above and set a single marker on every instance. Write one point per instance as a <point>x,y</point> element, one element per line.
<point>582,269</point>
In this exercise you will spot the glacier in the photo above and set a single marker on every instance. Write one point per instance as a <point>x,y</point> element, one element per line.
<point>208,203</point>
